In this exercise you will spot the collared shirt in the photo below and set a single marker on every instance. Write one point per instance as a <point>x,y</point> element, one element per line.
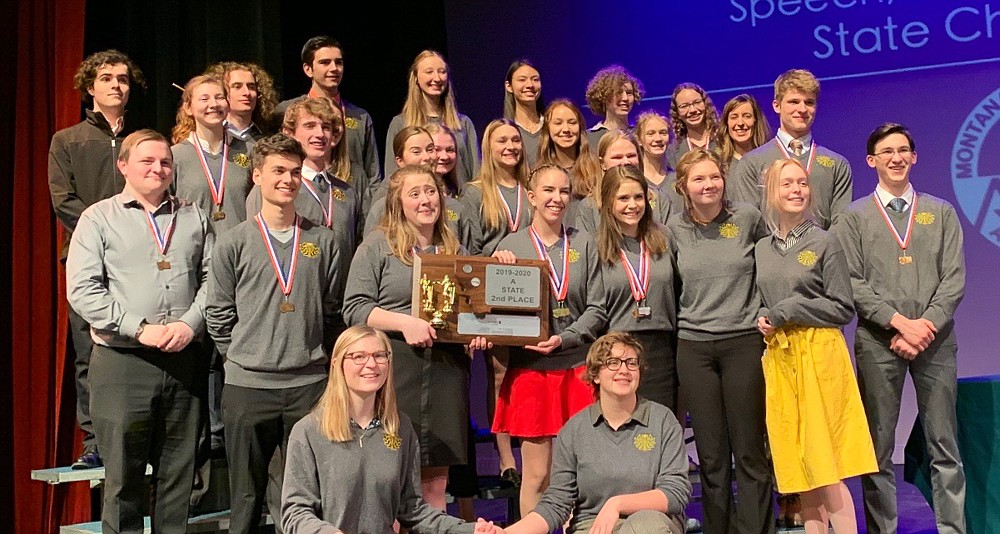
<point>245,134</point>
<point>316,177</point>
<point>793,235</point>
<point>112,275</point>
<point>640,415</point>
<point>884,196</point>
<point>786,138</point>
<point>374,423</point>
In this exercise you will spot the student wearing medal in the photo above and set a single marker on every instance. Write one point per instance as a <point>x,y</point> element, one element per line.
<point>718,347</point>
<point>210,166</point>
<point>432,379</point>
<point>136,273</point>
<point>639,278</point>
<point>904,250</point>
<point>796,95</point>
<point>564,144</point>
<point>542,388</point>
<point>497,197</point>
<point>695,121</point>
<point>273,312</point>
<point>816,424</point>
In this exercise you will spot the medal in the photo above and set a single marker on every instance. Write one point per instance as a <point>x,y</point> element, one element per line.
<point>162,240</point>
<point>284,281</point>
<point>904,240</point>
<point>328,209</point>
<point>217,191</point>
<point>559,285</point>
<point>638,280</point>
<point>513,221</point>
<point>788,155</point>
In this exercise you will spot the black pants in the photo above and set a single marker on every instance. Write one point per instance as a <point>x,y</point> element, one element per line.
<point>79,332</point>
<point>724,387</point>
<point>659,379</point>
<point>258,422</point>
<point>147,409</point>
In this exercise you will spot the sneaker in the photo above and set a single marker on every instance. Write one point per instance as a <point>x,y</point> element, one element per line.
<point>510,478</point>
<point>89,459</point>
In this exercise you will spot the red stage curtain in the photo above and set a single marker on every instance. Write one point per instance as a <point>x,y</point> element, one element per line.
<point>49,47</point>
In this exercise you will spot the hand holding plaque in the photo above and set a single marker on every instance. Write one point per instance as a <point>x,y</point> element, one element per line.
<point>465,297</point>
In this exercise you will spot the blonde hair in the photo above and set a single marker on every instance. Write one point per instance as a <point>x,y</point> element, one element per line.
<point>136,138</point>
<point>585,168</point>
<point>711,114</point>
<point>605,143</point>
<point>772,182</point>
<point>414,112</point>
<point>609,239</point>
<point>684,166</point>
<point>492,210</point>
<point>600,351</point>
<point>332,412</point>
<point>451,177</point>
<point>185,122</point>
<point>798,80</point>
<point>323,109</point>
<point>399,232</point>
<point>647,116</point>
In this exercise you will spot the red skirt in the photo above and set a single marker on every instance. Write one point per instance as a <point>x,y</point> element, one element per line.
<point>536,404</point>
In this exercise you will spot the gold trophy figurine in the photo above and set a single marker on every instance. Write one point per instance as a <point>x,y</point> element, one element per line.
<point>427,290</point>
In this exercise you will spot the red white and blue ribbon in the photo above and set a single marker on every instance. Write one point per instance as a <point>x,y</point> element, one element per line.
<point>560,285</point>
<point>904,240</point>
<point>285,281</point>
<point>328,209</point>
<point>216,190</point>
<point>162,240</point>
<point>513,220</point>
<point>789,155</point>
<point>638,281</point>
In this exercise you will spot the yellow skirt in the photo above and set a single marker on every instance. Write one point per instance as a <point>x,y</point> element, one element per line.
<point>816,423</point>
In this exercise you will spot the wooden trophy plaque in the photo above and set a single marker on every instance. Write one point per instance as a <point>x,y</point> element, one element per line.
<point>464,297</point>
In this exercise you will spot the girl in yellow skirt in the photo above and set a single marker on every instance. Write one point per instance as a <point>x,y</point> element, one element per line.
<point>815,420</point>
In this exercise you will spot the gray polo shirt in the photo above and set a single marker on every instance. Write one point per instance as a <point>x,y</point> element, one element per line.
<point>591,463</point>
<point>112,277</point>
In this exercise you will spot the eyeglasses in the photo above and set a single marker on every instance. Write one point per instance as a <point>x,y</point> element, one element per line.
<point>888,153</point>
<point>614,364</point>
<point>685,107</point>
<point>361,357</point>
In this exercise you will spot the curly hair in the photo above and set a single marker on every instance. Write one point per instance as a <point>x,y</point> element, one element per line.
<point>600,351</point>
<point>711,114</point>
<point>606,83</point>
<point>267,96</point>
<point>86,73</point>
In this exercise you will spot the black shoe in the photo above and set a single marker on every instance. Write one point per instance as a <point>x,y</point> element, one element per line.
<point>510,478</point>
<point>89,459</point>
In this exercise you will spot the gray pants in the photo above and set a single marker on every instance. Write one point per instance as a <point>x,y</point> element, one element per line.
<point>881,375</point>
<point>83,345</point>
<point>641,522</point>
<point>258,422</point>
<point>147,409</point>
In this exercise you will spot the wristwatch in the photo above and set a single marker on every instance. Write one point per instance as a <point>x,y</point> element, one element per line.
<point>142,326</point>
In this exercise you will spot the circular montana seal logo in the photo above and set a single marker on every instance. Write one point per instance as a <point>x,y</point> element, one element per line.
<point>978,191</point>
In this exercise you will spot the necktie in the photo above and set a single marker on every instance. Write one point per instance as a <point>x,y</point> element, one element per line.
<point>796,147</point>
<point>898,205</point>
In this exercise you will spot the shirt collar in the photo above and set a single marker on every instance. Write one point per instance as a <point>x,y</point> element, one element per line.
<point>311,174</point>
<point>242,134</point>
<point>640,415</point>
<point>797,232</point>
<point>786,138</point>
<point>884,196</point>
<point>374,423</point>
<point>127,199</point>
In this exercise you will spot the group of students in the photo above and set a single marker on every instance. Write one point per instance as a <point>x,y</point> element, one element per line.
<point>697,245</point>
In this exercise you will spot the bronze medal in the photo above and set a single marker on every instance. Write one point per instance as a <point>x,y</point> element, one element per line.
<point>163,265</point>
<point>219,215</point>
<point>905,260</point>
<point>287,307</point>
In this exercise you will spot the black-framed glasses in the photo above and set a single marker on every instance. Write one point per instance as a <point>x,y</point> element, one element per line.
<point>615,364</point>
<point>361,357</point>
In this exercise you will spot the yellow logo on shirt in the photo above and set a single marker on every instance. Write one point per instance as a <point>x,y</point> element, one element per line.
<point>337,194</point>
<point>309,250</point>
<point>644,442</point>
<point>574,255</point>
<point>825,161</point>
<point>452,215</point>
<point>924,217</point>
<point>808,258</point>
<point>652,203</point>
<point>242,160</point>
<point>350,123</point>
<point>729,230</point>
<point>392,442</point>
